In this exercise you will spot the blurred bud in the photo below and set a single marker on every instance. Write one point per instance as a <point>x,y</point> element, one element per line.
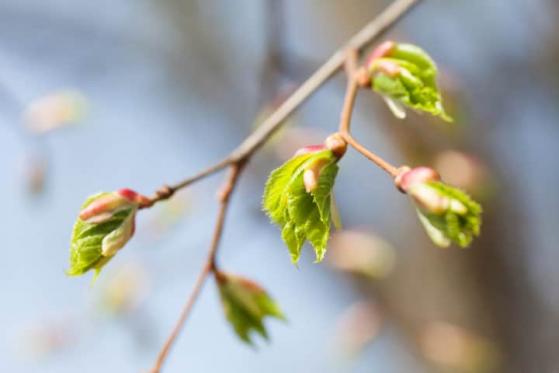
<point>464,170</point>
<point>361,253</point>
<point>125,290</point>
<point>54,111</point>
<point>246,304</point>
<point>459,349</point>
<point>105,224</point>
<point>47,338</point>
<point>358,326</point>
<point>34,171</point>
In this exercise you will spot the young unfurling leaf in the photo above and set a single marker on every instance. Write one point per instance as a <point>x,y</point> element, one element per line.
<point>298,196</point>
<point>105,224</point>
<point>406,77</point>
<point>246,305</point>
<point>455,218</point>
<point>448,214</point>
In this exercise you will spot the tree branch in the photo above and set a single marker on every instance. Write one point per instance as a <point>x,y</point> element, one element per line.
<point>353,76</point>
<point>209,266</point>
<point>237,159</point>
<point>372,31</point>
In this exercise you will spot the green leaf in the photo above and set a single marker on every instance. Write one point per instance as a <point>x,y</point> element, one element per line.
<point>459,222</point>
<point>303,216</point>
<point>246,305</point>
<point>413,83</point>
<point>94,244</point>
<point>275,196</point>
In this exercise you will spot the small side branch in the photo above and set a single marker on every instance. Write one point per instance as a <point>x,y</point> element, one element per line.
<point>209,265</point>
<point>354,75</point>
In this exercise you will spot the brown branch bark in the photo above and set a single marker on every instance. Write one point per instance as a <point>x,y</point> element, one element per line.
<point>352,89</point>
<point>209,266</point>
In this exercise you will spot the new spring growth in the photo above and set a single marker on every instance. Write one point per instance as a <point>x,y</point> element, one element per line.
<point>246,304</point>
<point>298,196</point>
<point>336,144</point>
<point>448,214</point>
<point>406,77</point>
<point>105,224</point>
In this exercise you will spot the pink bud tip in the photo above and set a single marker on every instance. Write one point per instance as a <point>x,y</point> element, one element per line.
<point>310,149</point>
<point>409,177</point>
<point>97,207</point>
<point>389,68</point>
<point>382,50</point>
<point>133,196</point>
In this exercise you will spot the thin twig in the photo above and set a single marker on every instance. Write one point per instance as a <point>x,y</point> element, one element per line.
<point>347,111</point>
<point>372,31</point>
<point>351,91</point>
<point>389,168</point>
<point>209,265</point>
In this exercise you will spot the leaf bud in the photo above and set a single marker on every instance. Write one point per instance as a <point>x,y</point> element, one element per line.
<point>336,143</point>
<point>407,177</point>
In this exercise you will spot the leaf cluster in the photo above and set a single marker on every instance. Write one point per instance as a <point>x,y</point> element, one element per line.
<point>414,85</point>
<point>458,226</point>
<point>303,216</point>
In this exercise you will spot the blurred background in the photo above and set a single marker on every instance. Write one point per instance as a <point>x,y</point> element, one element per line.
<point>135,93</point>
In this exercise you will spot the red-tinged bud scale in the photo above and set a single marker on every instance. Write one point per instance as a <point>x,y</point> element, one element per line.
<point>133,196</point>
<point>104,207</point>
<point>407,177</point>
<point>381,51</point>
<point>310,149</point>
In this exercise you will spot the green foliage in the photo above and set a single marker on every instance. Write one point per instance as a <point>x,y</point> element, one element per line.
<point>303,216</point>
<point>94,244</point>
<point>246,305</point>
<point>407,75</point>
<point>458,222</point>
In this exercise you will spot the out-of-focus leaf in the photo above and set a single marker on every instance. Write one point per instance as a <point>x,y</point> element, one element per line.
<point>246,305</point>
